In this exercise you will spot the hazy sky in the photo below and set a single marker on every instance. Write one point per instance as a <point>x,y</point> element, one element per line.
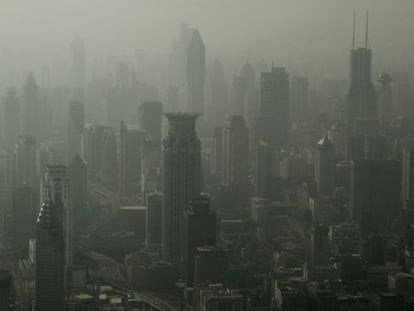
<point>316,32</point>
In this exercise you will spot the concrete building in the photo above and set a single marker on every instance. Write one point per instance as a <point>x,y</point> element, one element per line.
<point>181,180</point>
<point>75,127</point>
<point>196,72</point>
<point>273,121</point>
<point>200,223</point>
<point>10,119</point>
<point>50,258</point>
<point>325,167</point>
<point>149,119</point>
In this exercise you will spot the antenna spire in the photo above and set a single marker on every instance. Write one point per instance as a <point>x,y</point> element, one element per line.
<point>353,33</point>
<point>366,32</point>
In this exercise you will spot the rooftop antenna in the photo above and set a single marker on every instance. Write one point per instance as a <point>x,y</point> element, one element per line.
<point>353,33</point>
<point>366,32</point>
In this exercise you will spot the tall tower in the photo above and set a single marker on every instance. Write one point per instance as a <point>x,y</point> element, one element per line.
<point>49,273</point>
<point>78,183</point>
<point>149,119</point>
<point>362,97</point>
<point>235,151</point>
<point>319,244</point>
<point>30,109</point>
<point>76,124</point>
<point>181,180</point>
<point>26,162</point>
<point>325,167</point>
<point>10,119</point>
<point>385,96</point>
<point>273,121</point>
<point>56,188</point>
<point>196,71</point>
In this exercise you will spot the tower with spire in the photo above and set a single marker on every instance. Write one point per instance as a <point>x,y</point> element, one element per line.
<point>362,96</point>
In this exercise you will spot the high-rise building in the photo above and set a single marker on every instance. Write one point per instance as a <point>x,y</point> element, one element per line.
<point>56,186</point>
<point>362,96</point>
<point>26,162</point>
<point>5,291</point>
<point>200,224</point>
<point>50,259</point>
<point>325,167</point>
<point>196,71</point>
<point>30,108</point>
<point>264,171</point>
<point>181,180</point>
<point>375,190</point>
<point>299,99</point>
<point>385,97</point>
<point>75,127</point>
<point>78,70</point>
<point>109,172</point>
<point>78,184</point>
<point>235,151</point>
<point>131,141</point>
<point>273,120</point>
<point>216,108</point>
<point>319,245</point>
<point>25,206</point>
<point>153,202</point>
<point>92,146</point>
<point>10,119</point>
<point>149,119</point>
<point>173,99</point>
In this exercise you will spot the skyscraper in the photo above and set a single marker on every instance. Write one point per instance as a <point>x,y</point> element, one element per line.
<point>407,191</point>
<point>75,127</point>
<point>55,189</point>
<point>299,98</point>
<point>49,268</point>
<point>273,120</point>
<point>149,119</point>
<point>325,167</point>
<point>25,206</point>
<point>362,97</point>
<point>10,119</point>
<point>235,151</point>
<point>109,173</point>
<point>26,161</point>
<point>196,71</point>
<point>181,180</point>
<point>131,141</point>
<point>78,184</point>
<point>385,96</point>
<point>200,224</point>
<point>264,171</point>
<point>375,190</point>
<point>30,108</point>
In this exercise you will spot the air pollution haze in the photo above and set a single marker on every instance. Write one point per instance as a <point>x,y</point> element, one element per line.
<point>206,155</point>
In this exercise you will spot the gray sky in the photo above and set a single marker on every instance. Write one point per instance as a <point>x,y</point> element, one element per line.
<point>316,32</point>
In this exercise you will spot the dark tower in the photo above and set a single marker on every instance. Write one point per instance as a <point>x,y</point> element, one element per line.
<point>49,258</point>
<point>181,180</point>
<point>362,97</point>
<point>385,96</point>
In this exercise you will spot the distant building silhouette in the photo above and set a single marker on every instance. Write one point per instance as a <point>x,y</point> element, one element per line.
<point>78,69</point>
<point>10,119</point>
<point>325,167</point>
<point>78,184</point>
<point>385,103</point>
<point>181,180</point>
<point>273,120</point>
<point>30,108</point>
<point>196,71</point>
<point>149,119</point>
<point>75,127</point>
<point>131,141</point>
<point>319,244</point>
<point>26,161</point>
